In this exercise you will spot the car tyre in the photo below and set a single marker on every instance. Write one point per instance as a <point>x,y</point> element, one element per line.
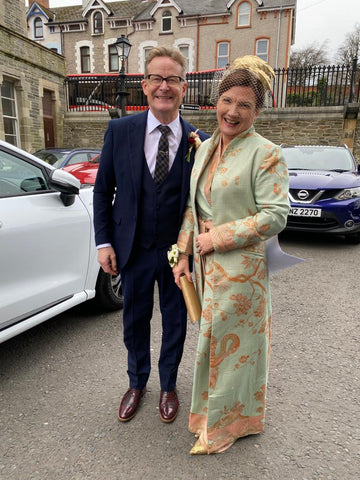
<point>109,291</point>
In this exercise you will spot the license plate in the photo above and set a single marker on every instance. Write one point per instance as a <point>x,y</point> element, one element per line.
<point>305,212</point>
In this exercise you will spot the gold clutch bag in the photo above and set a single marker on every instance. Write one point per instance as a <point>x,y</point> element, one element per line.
<point>191,299</point>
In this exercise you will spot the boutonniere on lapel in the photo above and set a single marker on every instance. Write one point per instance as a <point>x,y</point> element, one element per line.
<point>194,141</point>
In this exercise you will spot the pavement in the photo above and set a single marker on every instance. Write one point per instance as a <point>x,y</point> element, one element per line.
<point>61,384</point>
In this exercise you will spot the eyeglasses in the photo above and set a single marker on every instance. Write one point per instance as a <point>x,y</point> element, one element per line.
<point>172,81</point>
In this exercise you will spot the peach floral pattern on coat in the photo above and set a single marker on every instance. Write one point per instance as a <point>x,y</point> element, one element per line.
<point>247,203</point>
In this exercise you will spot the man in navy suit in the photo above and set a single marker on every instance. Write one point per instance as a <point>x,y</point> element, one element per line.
<point>137,217</point>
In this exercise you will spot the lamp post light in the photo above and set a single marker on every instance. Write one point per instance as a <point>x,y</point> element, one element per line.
<point>123,47</point>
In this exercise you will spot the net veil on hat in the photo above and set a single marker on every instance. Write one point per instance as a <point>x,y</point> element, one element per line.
<point>260,69</point>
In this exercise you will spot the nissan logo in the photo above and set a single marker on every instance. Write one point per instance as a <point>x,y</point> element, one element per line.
<point>303,194</point>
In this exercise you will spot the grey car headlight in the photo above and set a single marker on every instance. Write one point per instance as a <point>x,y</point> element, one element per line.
<point>348,193</point>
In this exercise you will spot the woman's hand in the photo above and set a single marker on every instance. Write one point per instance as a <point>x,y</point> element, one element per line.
<point>204,243</point>
<point>182,268</point>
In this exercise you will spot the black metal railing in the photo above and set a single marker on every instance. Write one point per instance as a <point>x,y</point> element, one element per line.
<point>317,86</point>
<point>292,87</point>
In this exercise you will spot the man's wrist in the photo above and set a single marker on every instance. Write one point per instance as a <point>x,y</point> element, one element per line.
<point>103,245</point>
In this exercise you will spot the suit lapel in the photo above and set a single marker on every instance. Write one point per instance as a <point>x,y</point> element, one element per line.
<point>135,145</point>
<point>186,166</point>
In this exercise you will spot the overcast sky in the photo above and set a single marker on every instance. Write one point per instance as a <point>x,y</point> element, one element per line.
<point>317,20</point>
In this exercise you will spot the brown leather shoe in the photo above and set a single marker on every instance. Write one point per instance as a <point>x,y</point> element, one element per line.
<point>129,404</point>
<point>168,406</point>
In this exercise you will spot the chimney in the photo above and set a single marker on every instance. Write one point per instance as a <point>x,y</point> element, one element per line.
<point>44,3</point>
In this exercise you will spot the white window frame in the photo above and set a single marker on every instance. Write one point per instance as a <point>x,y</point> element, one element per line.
<point>261,54</point>
<point>143,47</point>
<point>13,138</point>
<point>107,44</point>
<point>186,54</point>
<point>38,25</point>
<point>220,58</point>
<point>187,42</point>
<point>166,15</point>
<point>87,58</point>
<point>78,45</point>
<point>244,17</point>
<point>95,13</point>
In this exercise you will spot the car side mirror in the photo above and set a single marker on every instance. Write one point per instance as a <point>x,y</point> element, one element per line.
<point>66,184</point>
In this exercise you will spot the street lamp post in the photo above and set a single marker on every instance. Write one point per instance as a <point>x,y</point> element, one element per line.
<point>123,47</point>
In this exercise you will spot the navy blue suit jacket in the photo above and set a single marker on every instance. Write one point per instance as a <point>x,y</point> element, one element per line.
<point>120,172</point>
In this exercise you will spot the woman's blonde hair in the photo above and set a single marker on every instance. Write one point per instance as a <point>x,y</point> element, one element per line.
<point>248,71</point>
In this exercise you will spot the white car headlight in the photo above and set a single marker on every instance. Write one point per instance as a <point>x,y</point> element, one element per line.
<point>348,193</point>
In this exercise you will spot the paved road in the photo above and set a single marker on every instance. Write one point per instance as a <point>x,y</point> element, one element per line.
<point>61,383</point>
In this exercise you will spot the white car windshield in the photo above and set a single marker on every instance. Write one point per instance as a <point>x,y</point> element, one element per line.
<point>318,158</point>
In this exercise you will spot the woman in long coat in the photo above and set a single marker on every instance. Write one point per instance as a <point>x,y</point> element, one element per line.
<point>238,199</point>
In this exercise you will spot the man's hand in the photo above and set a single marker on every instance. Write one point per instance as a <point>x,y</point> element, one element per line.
<point>107,260</point>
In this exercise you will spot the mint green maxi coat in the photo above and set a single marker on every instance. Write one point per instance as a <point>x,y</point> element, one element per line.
<point>248,203</point>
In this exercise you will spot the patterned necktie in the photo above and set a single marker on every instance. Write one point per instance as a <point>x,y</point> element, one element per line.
<point>162,158</point>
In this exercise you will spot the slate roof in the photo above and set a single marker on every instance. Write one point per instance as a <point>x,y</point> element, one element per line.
<point>212,7</point>
<point>140,10</point>
<point>127,9</point>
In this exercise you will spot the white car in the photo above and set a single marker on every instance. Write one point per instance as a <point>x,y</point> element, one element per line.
<point>48,258</point>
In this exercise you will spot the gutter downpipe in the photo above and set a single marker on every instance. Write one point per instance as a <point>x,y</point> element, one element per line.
<point>198,44</point>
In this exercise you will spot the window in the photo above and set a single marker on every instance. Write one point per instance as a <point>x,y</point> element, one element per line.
<point>184,49</point>
<point>146,51</point>
<point>9,108</point>
<point>18,177</point>
<point>262,49</point>
<point>98,23</point>
<point>85,59</point>
<point>38,28</point>
<point>166,21</point>
<point>222,54</point>
<point>244,14</point>
<point>113,59</point>
<point>75,27</point>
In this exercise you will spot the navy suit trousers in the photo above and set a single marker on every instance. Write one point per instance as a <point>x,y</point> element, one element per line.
<point>144,269</point>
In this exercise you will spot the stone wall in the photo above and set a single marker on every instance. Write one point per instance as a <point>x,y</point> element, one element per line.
<point>32,69</point>
<point>294,126</point>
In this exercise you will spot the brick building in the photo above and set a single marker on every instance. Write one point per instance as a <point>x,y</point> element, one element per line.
<point>32,84</point>
<point>210,33</point>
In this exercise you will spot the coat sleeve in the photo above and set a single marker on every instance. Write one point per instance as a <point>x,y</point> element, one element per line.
<point>270,194</point>
<point>186,234</point>
<point>104,190</point>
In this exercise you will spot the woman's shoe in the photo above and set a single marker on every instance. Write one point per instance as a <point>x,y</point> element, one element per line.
<point>198,449</point>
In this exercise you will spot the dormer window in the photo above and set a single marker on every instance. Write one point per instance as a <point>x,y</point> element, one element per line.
<point>98,27</point>
<point>166,21</point>
<point>38,28</point>
<point>244,14</point>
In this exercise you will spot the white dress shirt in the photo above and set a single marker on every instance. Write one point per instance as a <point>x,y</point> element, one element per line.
<point>152,137</point>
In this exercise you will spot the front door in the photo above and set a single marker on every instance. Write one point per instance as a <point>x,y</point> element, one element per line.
<point>48,119</point>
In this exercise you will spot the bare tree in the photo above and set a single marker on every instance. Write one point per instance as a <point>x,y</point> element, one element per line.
<point>350,48</point>
<point>314,54</point>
